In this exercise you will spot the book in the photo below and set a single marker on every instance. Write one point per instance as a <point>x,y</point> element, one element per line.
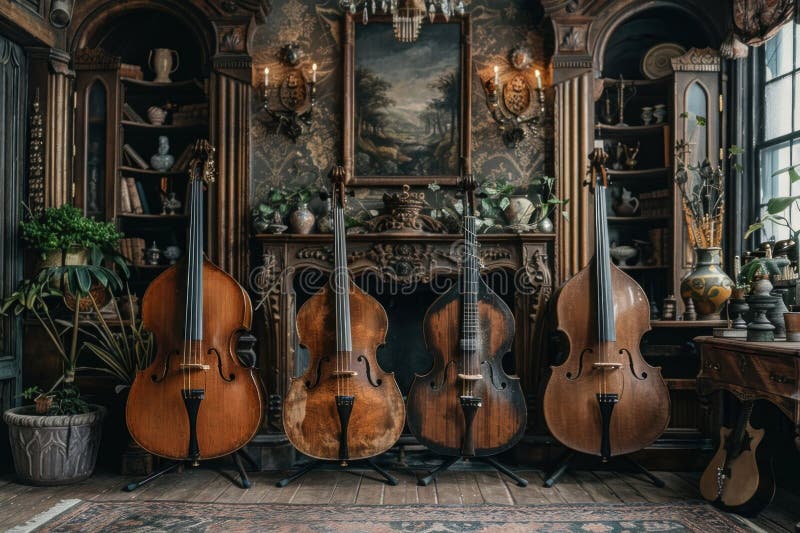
<point>124,197</point>
<point>131,114</point>
<point>134,157</point>
<point>134,72</point>
<point>132,248</point>
<point>182,163</point>
<point>136,203</point>
<point>142,198</point>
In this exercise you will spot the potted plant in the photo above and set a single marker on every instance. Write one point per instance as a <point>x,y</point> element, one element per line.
<point>272,213</point>
<point>56,441</point>
<point>495,197</point>
<point>544,189</point>
<point>119,341</point>
<point>63,236</point>
<point>777,208</point>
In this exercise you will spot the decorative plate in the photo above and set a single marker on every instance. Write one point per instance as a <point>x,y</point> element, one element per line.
<point>656,63</point>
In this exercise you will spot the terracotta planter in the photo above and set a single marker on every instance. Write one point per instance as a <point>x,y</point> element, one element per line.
<point>792,321</point>
<point>707,285</point>
<point>53,450</point>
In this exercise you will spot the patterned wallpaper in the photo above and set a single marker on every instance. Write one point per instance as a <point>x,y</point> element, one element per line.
<point>497,26</point>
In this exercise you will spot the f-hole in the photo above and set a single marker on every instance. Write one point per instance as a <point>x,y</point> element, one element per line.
<point>159,379</point>
<point>627,352</point>
<point>568,375</point>
<point>374,383</point>
<point>318,374</point>
<point>231,376</point>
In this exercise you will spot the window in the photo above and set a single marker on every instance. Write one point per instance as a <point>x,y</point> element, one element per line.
<point>778,143</point>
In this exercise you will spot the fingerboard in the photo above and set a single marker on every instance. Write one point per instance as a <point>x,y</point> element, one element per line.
<point>606,329</point>
<point>341,283</point>
<point>193,329</point>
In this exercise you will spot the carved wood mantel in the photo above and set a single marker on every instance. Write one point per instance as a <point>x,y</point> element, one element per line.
<point>404,260</point>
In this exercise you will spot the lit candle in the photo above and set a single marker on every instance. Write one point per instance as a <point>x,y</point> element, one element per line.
<point>538,80</point>
<point>266,77</point>
<point>496,75</point>
<point>314,73</point>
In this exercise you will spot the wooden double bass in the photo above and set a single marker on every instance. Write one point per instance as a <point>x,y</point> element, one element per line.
<point>344,407</point>
<point>604,399</point>
<point>466,405</point>
<point>196,400</point>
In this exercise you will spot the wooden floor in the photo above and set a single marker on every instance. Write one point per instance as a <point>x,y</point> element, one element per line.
<point>19,503</point>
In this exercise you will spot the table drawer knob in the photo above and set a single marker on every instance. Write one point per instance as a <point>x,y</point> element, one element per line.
<point>780,378</point>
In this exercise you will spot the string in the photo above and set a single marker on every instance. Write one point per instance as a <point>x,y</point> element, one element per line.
<point>188,308</point>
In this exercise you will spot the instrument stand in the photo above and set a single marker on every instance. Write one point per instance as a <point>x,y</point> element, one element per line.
<point>566,461</point>
<point>450,461</point>
<point>178,465</point>
<point>316,464</point>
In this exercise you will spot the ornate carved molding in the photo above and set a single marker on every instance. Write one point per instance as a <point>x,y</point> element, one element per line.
<point>96,58</point>
<point>36,182</point>
<point>697,60</point>
<point>572,35</point>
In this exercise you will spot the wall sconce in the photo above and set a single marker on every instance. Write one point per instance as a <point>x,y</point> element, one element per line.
<point>514,105</point>
<point>295,95</point>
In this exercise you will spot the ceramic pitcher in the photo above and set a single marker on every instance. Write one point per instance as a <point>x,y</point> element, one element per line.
<point>160,61</point>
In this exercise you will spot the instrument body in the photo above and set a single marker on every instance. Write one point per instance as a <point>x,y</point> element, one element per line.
<point>195,400</point>
<point>344,406</point>
<point>604,399</point>
<point>739,478</point>
<point>466,405</point>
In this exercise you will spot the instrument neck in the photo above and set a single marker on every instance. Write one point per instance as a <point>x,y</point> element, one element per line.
<point>470,275</point>
<point>606,330</point>
<point>341,282</point>
<point>193,330</point>
<point>741,423</point>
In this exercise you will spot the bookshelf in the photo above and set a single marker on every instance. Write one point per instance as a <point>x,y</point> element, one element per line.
<point>115,143</point>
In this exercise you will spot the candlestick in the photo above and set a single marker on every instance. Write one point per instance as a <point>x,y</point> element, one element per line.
<point>266,77</point>
<point>496,75</point>
<point>538,80</point>
<point>314,73</point>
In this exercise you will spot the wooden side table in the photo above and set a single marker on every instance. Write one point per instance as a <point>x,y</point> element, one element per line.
<point>753,371</point>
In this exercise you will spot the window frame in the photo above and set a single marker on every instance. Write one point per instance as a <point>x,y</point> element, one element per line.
<point>759,143</point>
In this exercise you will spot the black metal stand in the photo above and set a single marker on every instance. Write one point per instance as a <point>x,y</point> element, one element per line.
<point>566,461</point>
<point>237,461</point>
<point>314,465</point>
<point>450,461</point>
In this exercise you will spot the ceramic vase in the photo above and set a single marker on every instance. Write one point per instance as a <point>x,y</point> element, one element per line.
<point>519,210</point>
<point>156,115</point>
<point>707,285</point>
<point>647,115</point>
<point>161,62</point>
<point>660,113</point>
<point>626,205</point>
<point>302,220</point>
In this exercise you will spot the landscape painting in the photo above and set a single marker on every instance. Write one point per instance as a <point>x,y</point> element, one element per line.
<point>407,108</point>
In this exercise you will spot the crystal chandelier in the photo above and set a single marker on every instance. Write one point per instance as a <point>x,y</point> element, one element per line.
<point>407,15</point>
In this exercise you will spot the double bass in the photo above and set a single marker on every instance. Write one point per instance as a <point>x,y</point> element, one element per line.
<point>344,407</point>
<point>466,405</point>
<point>604,399</point>
<point>196,400</point>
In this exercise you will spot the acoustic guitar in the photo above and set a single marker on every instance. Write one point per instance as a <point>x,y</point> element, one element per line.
<point>739,479</point>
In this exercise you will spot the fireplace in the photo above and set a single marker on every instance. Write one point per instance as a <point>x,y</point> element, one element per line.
<point>405,273</point>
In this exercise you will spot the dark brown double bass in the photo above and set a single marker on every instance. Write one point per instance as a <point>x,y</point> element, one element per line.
<point>604,399</point>
<point>196,400</point>
<point>344,407</point>
<point>466,406</point>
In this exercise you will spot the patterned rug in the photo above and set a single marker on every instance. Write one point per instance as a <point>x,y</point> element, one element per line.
<point>156,516</point>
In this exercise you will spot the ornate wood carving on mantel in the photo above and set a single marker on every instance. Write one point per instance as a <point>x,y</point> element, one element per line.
<point>401,260</point>
<point>697,60</point>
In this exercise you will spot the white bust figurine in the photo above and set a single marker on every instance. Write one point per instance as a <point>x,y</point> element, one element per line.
<point>162,160</point>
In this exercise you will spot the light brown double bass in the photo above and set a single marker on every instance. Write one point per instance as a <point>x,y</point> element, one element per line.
<point>196,400</point>
<point>604,399</point>
<point>344,407</point>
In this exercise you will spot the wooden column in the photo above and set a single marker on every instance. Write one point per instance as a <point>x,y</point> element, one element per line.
<point>230,126</point>
<point>573,82</point>
<point>53,77</point>
<point>574,116</point>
